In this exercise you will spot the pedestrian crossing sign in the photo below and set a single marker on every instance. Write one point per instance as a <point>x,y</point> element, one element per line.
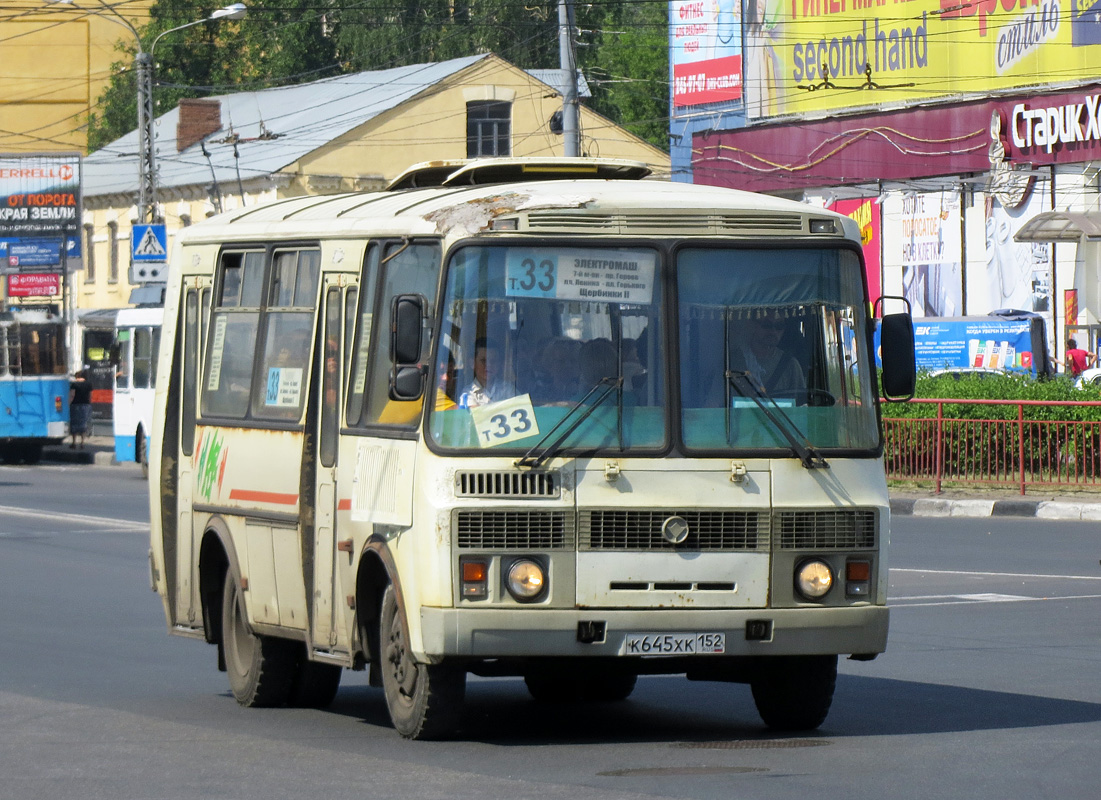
<point>149,243</point>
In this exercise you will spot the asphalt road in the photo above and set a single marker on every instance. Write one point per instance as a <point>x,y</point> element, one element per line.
<point>989,689</point>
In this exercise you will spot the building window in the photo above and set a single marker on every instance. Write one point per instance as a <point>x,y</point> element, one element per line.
<point>89,253</point>
<point>112,252</point>
<point>488,128</point>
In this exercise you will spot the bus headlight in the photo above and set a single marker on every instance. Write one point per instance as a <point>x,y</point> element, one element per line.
<point>526,580</point>
<point>813,579</point>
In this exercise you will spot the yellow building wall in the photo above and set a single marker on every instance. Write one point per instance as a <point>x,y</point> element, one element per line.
<point>432,127</point>
<point>56,63</point>
<point>428,128</point>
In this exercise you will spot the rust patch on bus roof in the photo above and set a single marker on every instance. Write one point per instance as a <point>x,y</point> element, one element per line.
<point>477,214</point>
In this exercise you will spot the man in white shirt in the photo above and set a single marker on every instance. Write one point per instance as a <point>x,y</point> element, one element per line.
<point>490,384</point>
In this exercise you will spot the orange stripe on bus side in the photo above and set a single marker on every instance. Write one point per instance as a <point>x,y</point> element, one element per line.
<point>344,505</point>
<point>263,497</point>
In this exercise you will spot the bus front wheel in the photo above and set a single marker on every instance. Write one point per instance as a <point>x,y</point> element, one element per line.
<point>261,669</point>
<point>424,700</point>
<point>794,693</point>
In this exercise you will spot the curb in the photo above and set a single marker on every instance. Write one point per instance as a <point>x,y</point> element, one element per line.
<point>1028,509</point>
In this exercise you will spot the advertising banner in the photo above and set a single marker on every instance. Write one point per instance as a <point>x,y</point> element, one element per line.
<point>866,212</point>
<point>34,284</point>
<point>17,254</point>
<point>925,230</point>
<point>706,51</point>
<point>807,56</point>
<point>989,343</point>
<point>1018,274</point>
<point>40,195</point>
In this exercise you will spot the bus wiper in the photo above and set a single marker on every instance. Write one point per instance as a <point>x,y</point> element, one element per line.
<point>536,456</point>
<point>806,452</point>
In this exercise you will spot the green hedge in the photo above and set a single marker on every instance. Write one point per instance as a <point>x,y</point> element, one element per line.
<point>999,387</point>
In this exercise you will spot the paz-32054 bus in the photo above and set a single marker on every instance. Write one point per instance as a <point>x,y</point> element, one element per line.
<point>515,418</point>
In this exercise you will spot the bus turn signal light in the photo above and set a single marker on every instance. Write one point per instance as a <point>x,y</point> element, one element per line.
<point>57,403</point>
<point>858,575</point>
<point>475,578</point>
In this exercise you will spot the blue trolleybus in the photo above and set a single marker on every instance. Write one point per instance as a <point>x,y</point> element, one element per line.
<point>34,385</point>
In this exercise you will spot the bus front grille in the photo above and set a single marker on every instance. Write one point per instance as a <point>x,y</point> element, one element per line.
<point>628,529</point>
<point>492,483</point>
<point>825,530</point>
<point>502,529</point>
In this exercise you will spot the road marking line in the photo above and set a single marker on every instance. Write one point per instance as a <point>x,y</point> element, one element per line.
<point>900,602</point>
<point>105,522</point>
<point>998,574</point>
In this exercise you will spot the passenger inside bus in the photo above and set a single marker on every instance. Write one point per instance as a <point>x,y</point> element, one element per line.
<point>557,377</point>
<point>490,384</point>
<point>760,351</point>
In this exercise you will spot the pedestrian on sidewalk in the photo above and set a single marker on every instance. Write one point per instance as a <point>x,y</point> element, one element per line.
<point>1078,361</point>
<point>80,408</point>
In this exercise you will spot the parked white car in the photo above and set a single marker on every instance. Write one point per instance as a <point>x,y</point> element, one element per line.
<point>1091,376</point>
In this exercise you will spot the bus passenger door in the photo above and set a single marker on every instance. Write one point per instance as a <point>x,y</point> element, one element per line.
<point>328,635</point>
<point>196,300</point>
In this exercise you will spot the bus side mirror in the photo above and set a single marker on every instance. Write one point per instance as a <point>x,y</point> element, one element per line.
<point>406,342</point>
<point>896,343</point>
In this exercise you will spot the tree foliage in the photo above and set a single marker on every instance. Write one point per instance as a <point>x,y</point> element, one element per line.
<point>281,41</point>
<point>621,49</point>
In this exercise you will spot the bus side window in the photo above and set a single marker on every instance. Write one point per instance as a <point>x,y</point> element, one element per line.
<point>361,347</point>
<point>288,329</point>
<point>409,269</point>
<point>122,368</point>
<point>190,371</point>
<point>143,358</point>
<point>330,379</point>
<point>236,317</point>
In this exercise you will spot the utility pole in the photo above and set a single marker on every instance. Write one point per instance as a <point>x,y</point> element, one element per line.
<point>571,128</point>
<point>147,165</point>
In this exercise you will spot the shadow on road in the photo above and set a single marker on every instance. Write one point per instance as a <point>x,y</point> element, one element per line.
<point>672,709</point>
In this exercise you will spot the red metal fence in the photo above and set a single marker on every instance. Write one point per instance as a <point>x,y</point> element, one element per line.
<point>995,452</point>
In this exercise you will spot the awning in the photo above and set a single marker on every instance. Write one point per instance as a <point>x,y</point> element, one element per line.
<point>1060,226</point>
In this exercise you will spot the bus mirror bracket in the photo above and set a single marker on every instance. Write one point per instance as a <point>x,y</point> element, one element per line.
<point>896,343</point>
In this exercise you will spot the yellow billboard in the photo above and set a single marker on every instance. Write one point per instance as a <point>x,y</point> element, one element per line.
<point>806,56</point>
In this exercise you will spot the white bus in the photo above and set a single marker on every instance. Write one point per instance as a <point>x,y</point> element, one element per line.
<point>137,344</point>
<point>616,472</point>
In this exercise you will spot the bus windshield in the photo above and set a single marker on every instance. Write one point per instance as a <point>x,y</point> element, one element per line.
<point>551,347</point>
<point>773,340</point>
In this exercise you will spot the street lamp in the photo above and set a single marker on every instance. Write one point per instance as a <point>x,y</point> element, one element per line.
<point>143,67</point>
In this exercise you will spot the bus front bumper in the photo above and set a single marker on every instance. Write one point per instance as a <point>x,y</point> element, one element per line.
<point>520,633</point>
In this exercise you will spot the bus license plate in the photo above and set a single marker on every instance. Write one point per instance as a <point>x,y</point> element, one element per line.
<point>672,644</point>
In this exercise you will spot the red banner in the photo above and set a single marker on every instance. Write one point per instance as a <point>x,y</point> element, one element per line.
<point>1070,306</point>
<point>718,80</point>
<point>866,212</point>
<point>34,284</point>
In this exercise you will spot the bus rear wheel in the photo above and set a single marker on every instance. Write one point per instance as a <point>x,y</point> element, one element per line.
<point>794,693</point>
<point>424,700</point>
<point>261,669</point>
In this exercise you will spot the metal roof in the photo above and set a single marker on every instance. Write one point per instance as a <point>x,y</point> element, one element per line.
<point>1060,226</point>
<point>276,127</point>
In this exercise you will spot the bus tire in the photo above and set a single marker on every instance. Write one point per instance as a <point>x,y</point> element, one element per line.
<point>261,669</point>
<point>315,684</point>
<point>597,686</point>
<point>142,456</point>
<point>794,693</point>
<point>424,700</point>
